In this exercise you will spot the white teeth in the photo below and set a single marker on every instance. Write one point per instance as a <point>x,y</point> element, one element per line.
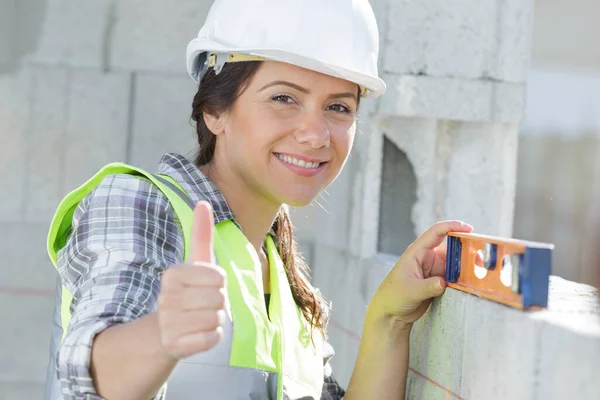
<point>295,161</point>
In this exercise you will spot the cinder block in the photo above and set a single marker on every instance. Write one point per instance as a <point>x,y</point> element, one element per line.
<point>514,33</point>
<point>500,344</point>
<point>508,102</point>
<point>439,38</point>
<point>433,97</point>
<point>339,340</point>
<point>97,126</point>
<point>418,387</point>
<point>20,390</point>
<point>6,31</point>
<point>161,119</point>
<point>569,362</point>
<point>14,125</point>
<point>436,349</point>
<point>482,168</point>
<point>25,261</point>
<point>24,337</point>
<point>452,98</point>
<point>76,33</point>
<point>45,169</point>
<point>333,212</point>
<point>160,34</point>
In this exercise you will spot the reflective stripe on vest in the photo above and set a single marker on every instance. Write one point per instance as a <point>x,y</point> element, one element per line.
<point>261,356</point>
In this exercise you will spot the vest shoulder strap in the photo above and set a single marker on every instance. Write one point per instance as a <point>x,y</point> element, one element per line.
<point>62,220</point>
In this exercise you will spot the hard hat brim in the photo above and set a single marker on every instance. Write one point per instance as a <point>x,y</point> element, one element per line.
<point>374,85</point>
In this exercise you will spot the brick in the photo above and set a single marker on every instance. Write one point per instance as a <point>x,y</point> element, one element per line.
<point>437,341</point>
<point>161,119</point>
<point>500,344</point>
<point>25,261</point>
<point>417,387</point>
<point>569,359</point>
<point>514,33</point>
<point>333,209</point>
<point>440,38</point>
<point>28,332</point>
<point>75,33</point>
<point>14,125</point>
<point>45,161</point>
<point>453,99</point>
<point>6,32</point>
<point>97,125</point>
<point>507,102</point>
<point>156,39</point>
<point>21,390</point>
<point>482,167</point>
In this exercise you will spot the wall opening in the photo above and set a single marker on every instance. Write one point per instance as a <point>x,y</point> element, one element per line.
<point>398,194</point>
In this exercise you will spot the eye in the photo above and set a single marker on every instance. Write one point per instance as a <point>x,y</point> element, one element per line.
<point>340,108</point>
<point>283,98</point>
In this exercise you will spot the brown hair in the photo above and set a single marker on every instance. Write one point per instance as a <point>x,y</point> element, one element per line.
<point>216,94</point>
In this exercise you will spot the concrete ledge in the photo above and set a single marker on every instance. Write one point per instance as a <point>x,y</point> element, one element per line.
<point>477,349</point>
<point>453,98</point>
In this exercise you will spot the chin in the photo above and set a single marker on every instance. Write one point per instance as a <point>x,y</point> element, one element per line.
<point>299,198</point>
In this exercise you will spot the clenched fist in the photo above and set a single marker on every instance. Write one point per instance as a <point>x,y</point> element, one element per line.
<point>191,303</point>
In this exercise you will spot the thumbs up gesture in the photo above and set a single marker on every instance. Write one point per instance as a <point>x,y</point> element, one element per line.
<point>191,303</point>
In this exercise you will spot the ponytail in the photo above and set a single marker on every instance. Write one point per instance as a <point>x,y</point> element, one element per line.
<point>308,299</point>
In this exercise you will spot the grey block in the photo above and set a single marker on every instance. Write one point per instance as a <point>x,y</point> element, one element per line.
<point>14,125</point>
<point>437,338</point>
<point>97,126</point>
<point>155,39</point>
<point>499,343</point>
<point>24,337</point>
<point>20,390</point>
<point>482,168</point>
<point>161,119</point>
<point>514,32</point>
<point>7,16</point>
<point>568,364</point>
<point>452,98</point>
<point>439,38</point>
<point>75,33</point>
<point>45,160</point>
<point>418,387</point>
<point>25,262</point>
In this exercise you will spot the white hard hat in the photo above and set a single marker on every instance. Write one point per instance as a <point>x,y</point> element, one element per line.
<point>334,37</point>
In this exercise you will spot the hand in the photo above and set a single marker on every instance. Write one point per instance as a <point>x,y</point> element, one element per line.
<point>418,276</point>
<point>192,296</point>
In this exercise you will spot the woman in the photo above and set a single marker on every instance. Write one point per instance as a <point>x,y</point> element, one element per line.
<point>214,303</point>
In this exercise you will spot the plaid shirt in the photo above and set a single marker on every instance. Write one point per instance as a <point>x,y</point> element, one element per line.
<point>124,235</point>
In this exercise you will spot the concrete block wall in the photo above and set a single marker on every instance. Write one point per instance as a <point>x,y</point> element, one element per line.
<point>81,84</point>
<point>456,76</point>
<point>86,83</point>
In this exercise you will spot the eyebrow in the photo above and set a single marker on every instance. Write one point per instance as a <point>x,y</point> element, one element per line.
<point>306,91</point>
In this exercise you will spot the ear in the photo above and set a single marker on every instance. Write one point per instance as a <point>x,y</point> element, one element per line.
<point>216,123</point>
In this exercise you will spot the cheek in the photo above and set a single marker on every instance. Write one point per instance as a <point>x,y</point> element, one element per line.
<point>342,142</point>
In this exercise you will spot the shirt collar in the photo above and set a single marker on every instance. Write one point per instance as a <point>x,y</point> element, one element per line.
<point>195,184</point>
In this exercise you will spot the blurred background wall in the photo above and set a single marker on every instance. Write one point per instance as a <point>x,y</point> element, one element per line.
<point>83,83</point>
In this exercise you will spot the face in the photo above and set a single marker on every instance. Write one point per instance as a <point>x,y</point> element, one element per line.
<point>289,134</point>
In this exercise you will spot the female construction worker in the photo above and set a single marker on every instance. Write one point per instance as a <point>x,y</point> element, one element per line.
<point>187,282</point>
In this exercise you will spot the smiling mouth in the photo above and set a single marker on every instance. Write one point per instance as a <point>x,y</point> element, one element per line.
<point>301,163</point>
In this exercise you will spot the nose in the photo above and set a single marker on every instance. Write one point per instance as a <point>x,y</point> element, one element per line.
<point>314,131</point>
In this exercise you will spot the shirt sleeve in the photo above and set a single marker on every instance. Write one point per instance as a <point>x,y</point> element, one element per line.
<point>124,235</point>
<point>331,388</point>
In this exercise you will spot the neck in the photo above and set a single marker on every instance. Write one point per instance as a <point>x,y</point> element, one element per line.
<point>253,214</point>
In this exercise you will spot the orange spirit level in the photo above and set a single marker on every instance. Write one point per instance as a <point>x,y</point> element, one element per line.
<point>508,271</point>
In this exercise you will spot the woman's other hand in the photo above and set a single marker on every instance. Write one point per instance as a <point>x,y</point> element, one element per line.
<point>418,276</point>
